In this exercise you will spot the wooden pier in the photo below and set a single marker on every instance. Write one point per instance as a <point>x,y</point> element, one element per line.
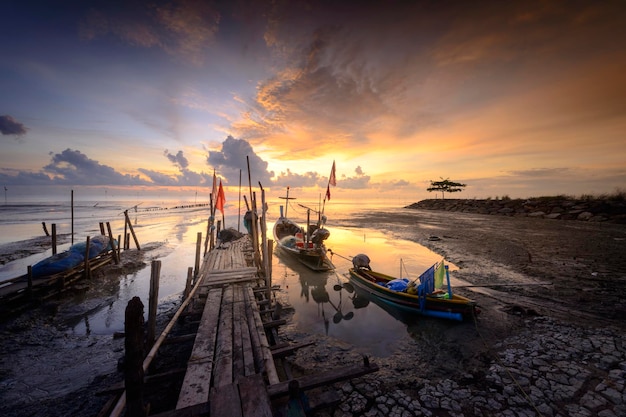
<point>233,368</point>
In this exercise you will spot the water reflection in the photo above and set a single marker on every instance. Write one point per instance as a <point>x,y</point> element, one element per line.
<point>326,303</point>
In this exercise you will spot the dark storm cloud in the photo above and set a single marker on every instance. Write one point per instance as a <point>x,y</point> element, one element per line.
<point>232,160</point>
<point>179,159</point>
<point>74,167</point>
<point>159,178</point>
<point>186,177</point>
<point>10,126</point>
<point>25,178</point>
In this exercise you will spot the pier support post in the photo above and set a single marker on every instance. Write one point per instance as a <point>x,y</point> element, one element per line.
<point>134,373</point>
<point>54,238</point>
<point>198,248</point>
<point>188,282</point>
<point>154,301</point>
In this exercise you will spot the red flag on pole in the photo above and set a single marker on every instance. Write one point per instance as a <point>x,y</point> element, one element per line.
<point>328,192</point>
<point>221,199</point>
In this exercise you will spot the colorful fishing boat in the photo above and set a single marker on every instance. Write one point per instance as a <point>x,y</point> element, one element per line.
<point>305,244</point>
<point>427,295</point>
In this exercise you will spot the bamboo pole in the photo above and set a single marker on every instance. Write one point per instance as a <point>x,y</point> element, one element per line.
<point>198,247</point>
<point>132,231</point>
<point>126,237</point>
<point>239,209</point>
<point>212,222</point>
<point>72,198</point>
<point>255,232</point>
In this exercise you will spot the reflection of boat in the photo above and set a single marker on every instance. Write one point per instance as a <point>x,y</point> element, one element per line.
<point>70,258</point>
<point>429,297</point>
<point>305,245</point>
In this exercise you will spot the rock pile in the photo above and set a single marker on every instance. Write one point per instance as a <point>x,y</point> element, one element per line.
<point>563,208</point>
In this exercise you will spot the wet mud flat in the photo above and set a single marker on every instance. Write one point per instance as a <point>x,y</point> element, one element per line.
<point>554,349</point>
<point>548,342</point>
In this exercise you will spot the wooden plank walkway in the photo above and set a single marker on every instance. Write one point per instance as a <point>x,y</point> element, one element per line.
<point>231,352</point>
<point>231,369</point>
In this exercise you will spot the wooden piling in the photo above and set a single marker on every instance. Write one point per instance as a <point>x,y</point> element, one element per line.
<point>54,238</point>
<point>45,229</point>
<point>198,248</point>
<point>134,373</point>
<point>188,282</point>
<point>153,300</point>
<point>116,258</point>
<point>87,269</point>
<point>132,231</point>
<point>29,288</point>
<point>126,237</point>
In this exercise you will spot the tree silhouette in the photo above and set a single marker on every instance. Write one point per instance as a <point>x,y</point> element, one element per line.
<point>445,186</point>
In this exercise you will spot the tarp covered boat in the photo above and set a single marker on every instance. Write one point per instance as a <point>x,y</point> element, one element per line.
<point>71,258</point>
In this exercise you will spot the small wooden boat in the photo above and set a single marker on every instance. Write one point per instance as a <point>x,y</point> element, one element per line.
<point>306,245</point>
<point>426,295</point>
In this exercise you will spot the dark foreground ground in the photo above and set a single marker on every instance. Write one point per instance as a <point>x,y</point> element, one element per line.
<point>569,283</point>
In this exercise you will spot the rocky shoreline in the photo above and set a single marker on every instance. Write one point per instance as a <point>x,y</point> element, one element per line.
<point>553,349</point>
<point>556,208</point>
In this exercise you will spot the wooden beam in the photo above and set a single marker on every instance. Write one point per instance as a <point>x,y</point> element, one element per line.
<point>288,350</point>
<point>330,377</point>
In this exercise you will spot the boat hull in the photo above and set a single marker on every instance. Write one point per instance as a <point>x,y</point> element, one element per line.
<point>287,235</point>
<point>455,308</point>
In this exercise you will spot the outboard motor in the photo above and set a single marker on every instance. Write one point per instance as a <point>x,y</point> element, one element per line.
<point>361,261</point>
<point>320,235</point>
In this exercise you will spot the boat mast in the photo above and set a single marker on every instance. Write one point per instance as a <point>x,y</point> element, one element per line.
<point>287,200</point>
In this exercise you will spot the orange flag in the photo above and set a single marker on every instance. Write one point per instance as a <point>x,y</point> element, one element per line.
<point>221,199</point>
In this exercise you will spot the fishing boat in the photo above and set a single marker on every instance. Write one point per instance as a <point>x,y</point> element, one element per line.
<point>70,258</point>
<point>305,244</point>
<point>426,295</point>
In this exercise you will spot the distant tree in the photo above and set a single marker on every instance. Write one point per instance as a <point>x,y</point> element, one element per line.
<point>445,186</point>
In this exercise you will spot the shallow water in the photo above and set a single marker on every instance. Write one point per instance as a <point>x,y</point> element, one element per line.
<point>169,232</point>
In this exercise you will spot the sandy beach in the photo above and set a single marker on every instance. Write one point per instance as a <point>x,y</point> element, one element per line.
<point>548,290</point>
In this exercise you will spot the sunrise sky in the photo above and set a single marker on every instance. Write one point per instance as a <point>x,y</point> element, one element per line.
<point>516,98</point>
